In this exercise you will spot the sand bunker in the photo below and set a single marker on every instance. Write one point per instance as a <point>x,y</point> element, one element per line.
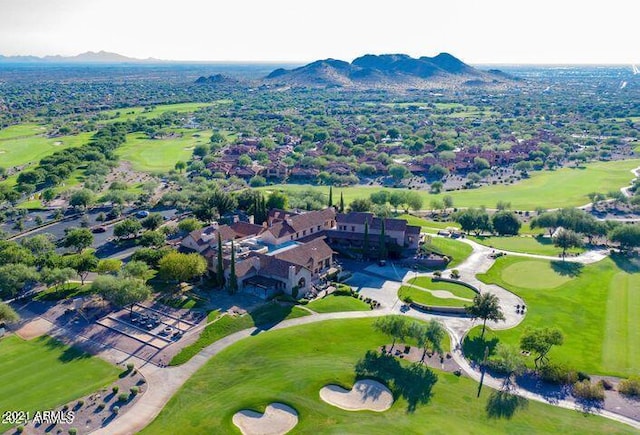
<point>277,419</point>
<point>2,151</point>
<point>57,143</point>
<point>366,395</point>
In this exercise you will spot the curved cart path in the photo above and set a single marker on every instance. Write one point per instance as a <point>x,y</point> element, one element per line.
<point>163,383</point>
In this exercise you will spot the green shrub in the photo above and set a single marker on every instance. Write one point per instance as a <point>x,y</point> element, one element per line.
<point>134,390</point>
<point>437,274</point>
<point>130,366</point>
<point>630,387</point>
<point>123,397</point>
<point>115,389</point>
<point>558,374</point>
<point>582,376</point>
<point>455,274</point>
<point>607,385</point>
<point>73,431</point>
<point>116,409</point>
<point>19,429</point>
<point>588,391</point>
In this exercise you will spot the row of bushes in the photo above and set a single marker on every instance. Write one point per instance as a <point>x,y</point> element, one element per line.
<point>582,387</point>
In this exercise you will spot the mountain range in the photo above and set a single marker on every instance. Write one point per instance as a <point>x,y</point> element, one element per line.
<point>388,70</point>
<point>88,57</point>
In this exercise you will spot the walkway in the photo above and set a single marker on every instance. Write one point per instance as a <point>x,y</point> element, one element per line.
<point>380,283</point>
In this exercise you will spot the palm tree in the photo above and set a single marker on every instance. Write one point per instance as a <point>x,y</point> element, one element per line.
<point>486,306</point>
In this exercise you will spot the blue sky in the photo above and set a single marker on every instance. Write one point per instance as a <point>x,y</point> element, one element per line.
<point>477,31</point>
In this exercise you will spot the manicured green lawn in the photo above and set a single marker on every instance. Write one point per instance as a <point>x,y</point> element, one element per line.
<point>267,314</point>
<point>20,150</point>
<point>421,222</point>
<point>456,289</point>
<point>425,297</point>
<point>21,130</point>
<point>337,303</point>
<point>131,113</point>
<point>454,249</point>
<point>566,187</point>
<point>529,245</point>
<point>293,364</point>
<point>71,290</point>
<point>43,373</point>
<point>596,306</point>
<point>160,155</point>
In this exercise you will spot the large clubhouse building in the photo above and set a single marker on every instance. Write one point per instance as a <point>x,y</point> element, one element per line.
<point>293,251</point>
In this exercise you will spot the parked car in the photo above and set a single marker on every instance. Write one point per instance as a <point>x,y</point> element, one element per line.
<point>99,229</point>
<point>142,214</point>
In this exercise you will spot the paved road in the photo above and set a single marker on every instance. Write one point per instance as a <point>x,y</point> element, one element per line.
<point>380,283</point>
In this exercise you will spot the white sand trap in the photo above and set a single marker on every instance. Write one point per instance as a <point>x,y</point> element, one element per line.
<point>2,151</point>
<point>278,419</point>
<point>366,395</point>
<point>57,143</point>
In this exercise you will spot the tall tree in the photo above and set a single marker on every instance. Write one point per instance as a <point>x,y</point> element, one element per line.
<point>82,264</point>
<point>486,306</point>
<point>341,202</point>
<point>382,249</point>
<point>567,239</point>
<point>127,228</point>
<point>233,279</point>
<point>540,341</point>
<point>394,326</point>
<point>365,244</point>
<point>506,223</point>
<point>220,265</point>
<point>330,196</point>
<point>121,292</point>
<point>181,267</point>
<point>78,238</point>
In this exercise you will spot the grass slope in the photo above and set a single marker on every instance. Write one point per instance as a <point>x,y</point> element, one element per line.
<point>268,314</point>
<point>43,373</point>
<point>425,297</point>
<point>566,187</point>
<point>131,113</point>
<point>293,364</point>
<point>16,151</point>
<point>160,155</point>
<point>596,307</point>
<point>528,245</point>
<point>457,251</point>
<point>337,303</point>
<point>456,289</point>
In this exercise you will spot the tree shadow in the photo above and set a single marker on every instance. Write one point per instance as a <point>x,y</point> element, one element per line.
<point>503,404</point>
<point>67,353</point>
<point>473,347</point>
<point>547,241</point>
<point>567,268</point>
<point>589,406</point>
<point>267,316</point>
<point>413,382</point>
<point>625,263</point>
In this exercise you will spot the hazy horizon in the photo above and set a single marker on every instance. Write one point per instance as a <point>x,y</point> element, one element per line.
<point>493,32</point>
